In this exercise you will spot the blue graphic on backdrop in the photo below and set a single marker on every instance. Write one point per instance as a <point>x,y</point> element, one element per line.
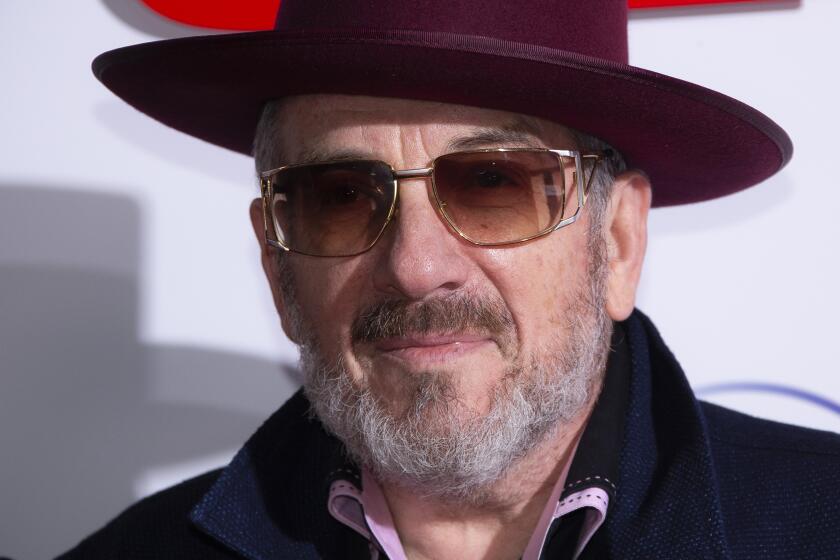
<point>784,390</point>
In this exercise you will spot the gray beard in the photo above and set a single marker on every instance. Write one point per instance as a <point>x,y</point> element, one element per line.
<point>437,447</point>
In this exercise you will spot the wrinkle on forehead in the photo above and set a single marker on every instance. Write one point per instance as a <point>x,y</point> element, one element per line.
<point>335,127</point>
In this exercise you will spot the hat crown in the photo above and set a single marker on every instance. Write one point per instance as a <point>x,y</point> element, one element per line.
<point>590,27</point>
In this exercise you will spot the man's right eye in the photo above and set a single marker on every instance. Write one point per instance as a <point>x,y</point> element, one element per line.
<point>494,176</point>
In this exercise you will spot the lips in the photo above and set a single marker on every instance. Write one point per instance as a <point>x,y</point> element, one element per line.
<point>431,347</point>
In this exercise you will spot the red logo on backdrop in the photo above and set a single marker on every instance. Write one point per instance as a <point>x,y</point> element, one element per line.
<point>257,15</point>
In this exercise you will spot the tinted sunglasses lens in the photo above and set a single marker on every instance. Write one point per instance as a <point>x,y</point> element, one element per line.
<point>332,209</point>
<point>500,197</point>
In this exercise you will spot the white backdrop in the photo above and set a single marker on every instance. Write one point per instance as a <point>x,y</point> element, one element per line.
<point>138,344</point>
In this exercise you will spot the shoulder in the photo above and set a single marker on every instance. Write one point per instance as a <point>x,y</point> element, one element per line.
<point>736,432</point>
<point>762,451</point>
<point>155,527</point>
<point>778,485</point>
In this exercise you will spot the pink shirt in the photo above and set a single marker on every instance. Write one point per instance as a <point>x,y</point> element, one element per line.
<point>366,511</point>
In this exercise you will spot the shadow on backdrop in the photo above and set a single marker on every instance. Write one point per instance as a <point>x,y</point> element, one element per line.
<point>85,407</point>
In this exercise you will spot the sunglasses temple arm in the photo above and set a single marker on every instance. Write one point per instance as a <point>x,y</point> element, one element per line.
<point>265,191</point>
<point>588,177</point>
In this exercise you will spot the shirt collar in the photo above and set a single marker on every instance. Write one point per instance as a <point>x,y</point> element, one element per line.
<point>590,487</point>
<point>596,461</point>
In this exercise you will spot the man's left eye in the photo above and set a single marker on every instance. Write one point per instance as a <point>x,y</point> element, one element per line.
<point>491,177</point>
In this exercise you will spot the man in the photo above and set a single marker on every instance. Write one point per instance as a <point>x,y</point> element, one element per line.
<point>453,223</point>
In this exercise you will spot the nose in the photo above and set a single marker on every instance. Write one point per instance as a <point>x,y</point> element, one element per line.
<point>420,257</point>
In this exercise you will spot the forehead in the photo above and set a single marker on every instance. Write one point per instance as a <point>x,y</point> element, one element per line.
<point>314,127</point>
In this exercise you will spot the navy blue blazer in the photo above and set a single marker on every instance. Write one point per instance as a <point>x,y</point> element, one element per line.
<point>695,481</point>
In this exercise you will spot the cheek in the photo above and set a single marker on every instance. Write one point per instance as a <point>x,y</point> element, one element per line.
<point>536,280</point>
<point>329,293</point>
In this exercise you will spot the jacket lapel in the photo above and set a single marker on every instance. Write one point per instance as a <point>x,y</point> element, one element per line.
<point>667,503</point>
<point>271,501</point>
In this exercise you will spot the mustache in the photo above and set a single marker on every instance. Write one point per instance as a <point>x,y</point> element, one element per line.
<point>448,314</point>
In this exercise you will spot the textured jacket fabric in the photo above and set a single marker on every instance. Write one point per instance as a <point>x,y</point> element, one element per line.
<point>695,481</point>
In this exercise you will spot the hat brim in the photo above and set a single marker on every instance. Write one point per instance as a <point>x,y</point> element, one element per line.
<point>694,143</point>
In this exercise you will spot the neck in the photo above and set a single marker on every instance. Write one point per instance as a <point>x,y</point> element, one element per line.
<point>502,525</point>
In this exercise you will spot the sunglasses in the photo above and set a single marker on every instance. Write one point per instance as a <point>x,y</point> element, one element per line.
<point>488,197</point>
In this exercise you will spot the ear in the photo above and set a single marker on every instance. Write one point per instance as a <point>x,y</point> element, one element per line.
<point>269,264</point>
<point>625,233</point>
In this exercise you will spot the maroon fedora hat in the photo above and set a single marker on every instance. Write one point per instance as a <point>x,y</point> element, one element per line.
<point>562,60</point>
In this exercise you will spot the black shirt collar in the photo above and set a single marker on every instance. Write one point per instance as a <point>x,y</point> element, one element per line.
<point>596,460</point>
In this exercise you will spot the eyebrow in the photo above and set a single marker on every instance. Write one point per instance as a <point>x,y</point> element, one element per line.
<point>320,155</point>
<point>518,133</point>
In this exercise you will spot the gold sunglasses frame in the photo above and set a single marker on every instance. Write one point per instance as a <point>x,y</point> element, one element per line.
<point>428,172</point>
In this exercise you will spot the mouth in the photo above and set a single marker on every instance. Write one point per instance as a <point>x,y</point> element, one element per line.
<point>432,348</point>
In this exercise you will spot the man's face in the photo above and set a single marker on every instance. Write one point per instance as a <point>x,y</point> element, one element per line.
<point>433,332</point>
